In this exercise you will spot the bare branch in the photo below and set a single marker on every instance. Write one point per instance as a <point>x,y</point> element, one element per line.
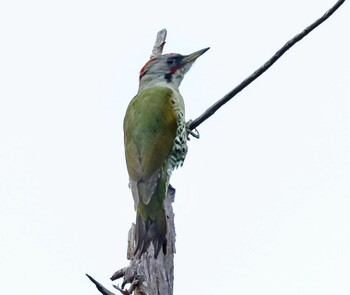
<point>124,292</point>
<point>209,112</point>
<point>159,44</point>
<point>132,288</point>
<point>100,287</point>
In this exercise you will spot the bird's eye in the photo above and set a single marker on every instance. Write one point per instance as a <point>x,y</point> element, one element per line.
<point>170,61</point>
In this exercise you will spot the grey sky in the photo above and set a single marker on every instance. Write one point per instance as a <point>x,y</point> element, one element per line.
<point>262,202</point>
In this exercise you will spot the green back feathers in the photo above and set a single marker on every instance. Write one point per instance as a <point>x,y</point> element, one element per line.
<point>149,131</point>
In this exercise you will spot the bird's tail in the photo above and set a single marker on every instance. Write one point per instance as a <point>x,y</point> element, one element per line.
<point>150,230</point>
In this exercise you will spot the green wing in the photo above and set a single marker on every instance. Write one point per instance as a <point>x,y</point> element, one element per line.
<point>149,131</point>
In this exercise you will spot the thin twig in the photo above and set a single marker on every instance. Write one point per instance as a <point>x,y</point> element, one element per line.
<point>129,291</point>
<point>209,112</point>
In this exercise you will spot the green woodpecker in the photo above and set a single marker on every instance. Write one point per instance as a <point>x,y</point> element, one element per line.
<point>155,136</point>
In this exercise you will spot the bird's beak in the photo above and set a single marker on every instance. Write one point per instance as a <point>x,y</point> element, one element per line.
<point>193,56</point>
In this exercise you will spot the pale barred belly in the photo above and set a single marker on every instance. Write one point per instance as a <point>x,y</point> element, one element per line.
<point>179,151</point>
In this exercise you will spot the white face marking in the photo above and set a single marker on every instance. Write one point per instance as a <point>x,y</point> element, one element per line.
<point>166,70</point>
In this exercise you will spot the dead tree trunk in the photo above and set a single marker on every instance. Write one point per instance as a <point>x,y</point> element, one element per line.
<point>148,275</point>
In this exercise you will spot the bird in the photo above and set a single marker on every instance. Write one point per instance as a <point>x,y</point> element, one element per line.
<point>155,141</point>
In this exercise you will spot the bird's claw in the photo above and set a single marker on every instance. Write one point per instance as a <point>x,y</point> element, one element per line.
<point>189,131</point>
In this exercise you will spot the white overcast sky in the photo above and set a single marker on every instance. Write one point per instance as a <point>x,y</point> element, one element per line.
<point>263,200</point>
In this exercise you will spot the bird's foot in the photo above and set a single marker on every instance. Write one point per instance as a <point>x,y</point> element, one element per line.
<point>189,131</point>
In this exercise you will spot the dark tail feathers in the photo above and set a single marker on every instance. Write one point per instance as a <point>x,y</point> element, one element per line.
<point>151,230</point>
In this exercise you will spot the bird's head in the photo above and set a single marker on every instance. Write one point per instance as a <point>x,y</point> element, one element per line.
<point>167,68</point>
